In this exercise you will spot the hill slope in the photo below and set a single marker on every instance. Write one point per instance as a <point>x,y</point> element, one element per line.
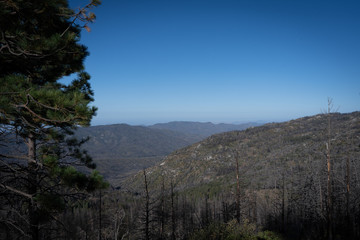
<point>264,153</point>
<point>121,149</point>
<point>122,140</point>
<point>283,183</point>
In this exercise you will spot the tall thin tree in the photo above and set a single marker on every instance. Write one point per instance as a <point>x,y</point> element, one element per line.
<point>39,45</point>
<point>238,197</point>
<point>329,212</point>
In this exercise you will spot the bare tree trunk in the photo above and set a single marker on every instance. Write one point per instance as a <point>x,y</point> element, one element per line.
<point>225,210</point>
<point>329,174</point>
<point>348,197</point>
<point>206,219</point>
<point>100,223</point>
<point>32,187</point>
<point>162,209</point>
<point>283,203</point>
<point>173,219</point>
<point>238,218</point>
<point>320,197</point>
<point>184,217</point>
<point>255,209</point>
<point>147,209</point>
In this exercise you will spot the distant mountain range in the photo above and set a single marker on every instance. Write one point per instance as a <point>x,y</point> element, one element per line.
<point>122,149</point>
<point>202,129</point>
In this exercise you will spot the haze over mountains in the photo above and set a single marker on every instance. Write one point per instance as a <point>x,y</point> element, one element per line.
<point>122,149</point>
<point>202,129</point>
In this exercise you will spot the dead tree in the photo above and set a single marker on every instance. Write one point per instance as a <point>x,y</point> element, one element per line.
<point>147,208</point>
<point>329,211</point>
<point>238,218</point>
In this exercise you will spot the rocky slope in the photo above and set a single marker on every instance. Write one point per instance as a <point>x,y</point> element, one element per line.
<point>266,154</point>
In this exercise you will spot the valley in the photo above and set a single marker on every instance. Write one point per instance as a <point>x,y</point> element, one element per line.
<point>121,149</point>
<point>196,180</point>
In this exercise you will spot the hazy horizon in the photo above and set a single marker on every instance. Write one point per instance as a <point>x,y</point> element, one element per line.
<point>149,123</point>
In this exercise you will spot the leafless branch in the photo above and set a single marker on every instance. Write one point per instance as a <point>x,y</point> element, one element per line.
<point>17,191</point>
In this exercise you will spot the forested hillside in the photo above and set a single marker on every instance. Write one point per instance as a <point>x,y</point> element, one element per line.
<point>282,176</point>
<point>121,149</point>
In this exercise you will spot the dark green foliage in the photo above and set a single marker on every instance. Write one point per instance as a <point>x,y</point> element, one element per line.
<point>39,44</point>
<point>50,202</point>
<point>38,40</point>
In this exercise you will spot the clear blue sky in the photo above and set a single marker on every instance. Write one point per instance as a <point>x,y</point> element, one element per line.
<point>221,60</point>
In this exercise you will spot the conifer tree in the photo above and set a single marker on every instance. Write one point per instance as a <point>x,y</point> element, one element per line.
<point>39,44</point>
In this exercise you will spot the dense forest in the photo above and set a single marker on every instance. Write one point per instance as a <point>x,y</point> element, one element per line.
<point>292,180</point>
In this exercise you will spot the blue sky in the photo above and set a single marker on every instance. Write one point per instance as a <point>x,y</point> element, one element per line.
<point>221,60</point>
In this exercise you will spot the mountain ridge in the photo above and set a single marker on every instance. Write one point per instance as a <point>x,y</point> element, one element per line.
<point>260,149</point>
<point>204,129</point>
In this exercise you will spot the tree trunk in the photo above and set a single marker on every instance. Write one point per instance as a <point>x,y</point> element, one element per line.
<point>147,209</point>
<point>348,198</point>
<point>254,213</point>
<point>173,217</point>
<point>162,210</point>
<point>329,179</point>
<point>237,189</point>
<point>100,214</point>
<point>283,203</point>
<point>320,197</point>
<point>32,187</point>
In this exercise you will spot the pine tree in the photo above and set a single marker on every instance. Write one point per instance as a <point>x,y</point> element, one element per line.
<point>39,44</point>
